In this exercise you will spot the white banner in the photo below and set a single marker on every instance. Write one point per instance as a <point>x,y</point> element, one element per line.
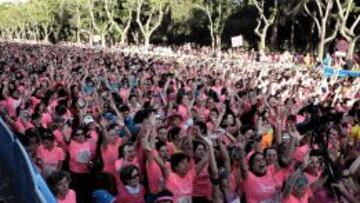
<point>237,41</point>
<point>340,54</point>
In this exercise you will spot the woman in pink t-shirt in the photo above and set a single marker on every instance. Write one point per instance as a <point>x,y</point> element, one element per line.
<point>184,106</point>
<point>129,156</point>
<point>124,90</point>
<point>202,185</point>
<point>80,164</point>
<point>110,150</point>
<point>132,191</point>
<point>179,180</point>
<point>51,156</point>
<point>155,176</point>
<point>259,178</point>
<point>59,185</point>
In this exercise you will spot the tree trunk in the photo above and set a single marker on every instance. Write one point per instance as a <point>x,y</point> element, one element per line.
<point>218,42</point>
<point>262,42</point>
<point>123,38</point>
<point>321,45</point>
<point>91,38</point>
<point>351,49</point>
<point>320,50</point>
<point>147,41</point>
<point>103,39</point>
<point>274,35</point>
<point>78,25</point>
<point>292,36</point>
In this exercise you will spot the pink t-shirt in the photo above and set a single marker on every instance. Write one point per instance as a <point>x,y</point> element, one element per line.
<point>124,94</point>
<point>183,112</point>
<point>281,175</point>
<point>46,119</point>
<point>311,179</point>
<point>155,176</point>
<point>50,159</point>
<point>12,105</point>
<point>260,189</point>
<point>233,175</point>
<point>59,138</point>
<point>125,197</point>
<point>301,152</point>
<point>217,89</point>
<point>181,187</point>
<point>70,197</point>
<point>80,155</point>
<point>202,184</point>
<point>21,127</point>
<point>34,102</point>
<point>121,163</point>
<point>109,155</point>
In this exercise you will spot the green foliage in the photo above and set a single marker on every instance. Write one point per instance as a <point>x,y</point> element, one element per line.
<point>182,21</point>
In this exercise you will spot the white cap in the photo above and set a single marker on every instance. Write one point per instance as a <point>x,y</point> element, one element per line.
<point>88,119</point>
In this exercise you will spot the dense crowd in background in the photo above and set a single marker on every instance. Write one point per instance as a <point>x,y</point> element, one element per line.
<point>108,126</point>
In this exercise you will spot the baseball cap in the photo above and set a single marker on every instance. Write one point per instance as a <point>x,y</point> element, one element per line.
<point>88,119</point>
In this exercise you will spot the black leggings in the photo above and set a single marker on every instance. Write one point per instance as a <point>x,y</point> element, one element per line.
<point>200,200</point>
<point>81,183</point>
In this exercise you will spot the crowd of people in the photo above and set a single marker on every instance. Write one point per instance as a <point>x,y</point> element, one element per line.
<point>105,126</point>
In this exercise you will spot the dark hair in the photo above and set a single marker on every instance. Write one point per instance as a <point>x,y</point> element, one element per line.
<point>106,182</point>
<point>122,148</point>
<point>126,173</point>
<point>83,128</point>
<point>35,116</point>
<point>252,161</point>
<point>60,110</point>
<point>212,94</point>
<point>163,193</point>
<point>55,178</point>
<point>173,132</point>
<point>132,96</point>
<point>176,159</point>
<point>202,126</point>
<point>124,108</point>
<point>47,135</point>
<point>215,110</point>
<point>196,144</point>
<point>62,93</point>
<point>159,145</point>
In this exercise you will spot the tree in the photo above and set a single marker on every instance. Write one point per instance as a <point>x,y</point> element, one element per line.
<point>346,8</point>
<point>100,23</point>
<point>321,15</point>
<point>8,21</point>
<point>149,16</point>
<point>114,16</point>
<point>263,22</point>
<point>42,14</point>
<point>217,12</point>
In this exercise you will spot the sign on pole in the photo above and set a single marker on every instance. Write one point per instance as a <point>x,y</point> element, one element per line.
<point>237,41</point>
